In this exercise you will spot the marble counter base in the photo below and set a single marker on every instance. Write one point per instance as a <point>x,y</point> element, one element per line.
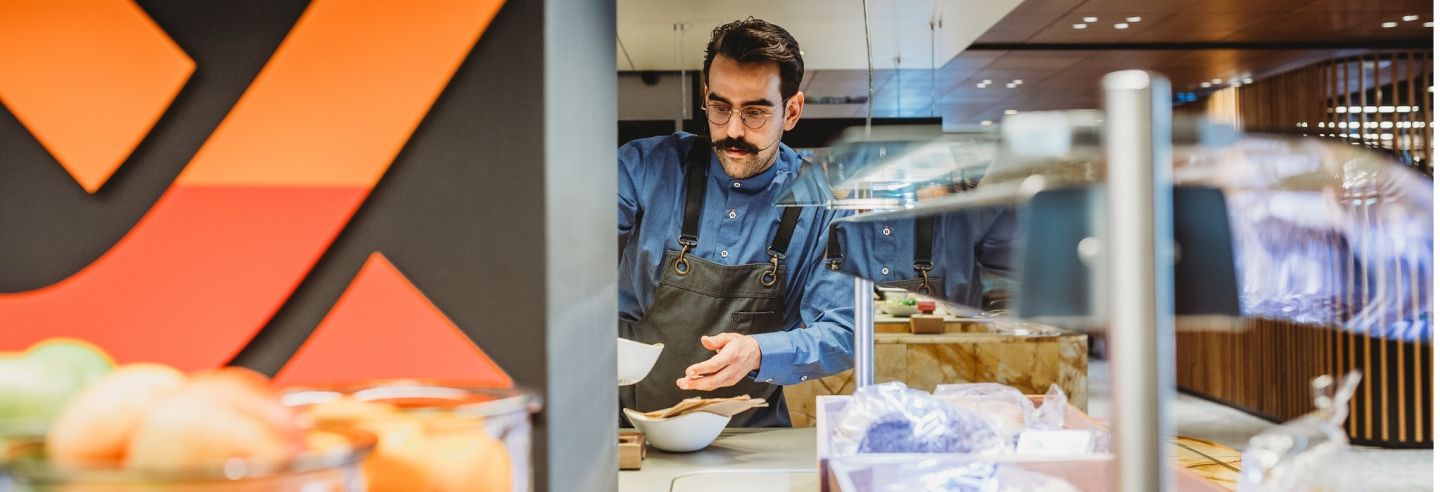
<point>1029,363</point>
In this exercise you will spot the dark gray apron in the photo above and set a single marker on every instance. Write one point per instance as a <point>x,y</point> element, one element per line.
<point>698,298</point>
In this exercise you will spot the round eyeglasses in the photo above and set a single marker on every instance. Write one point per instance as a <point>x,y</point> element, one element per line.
<point>753,118</point>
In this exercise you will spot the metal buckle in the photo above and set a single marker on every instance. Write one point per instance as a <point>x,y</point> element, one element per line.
<point>923,267</point>
<point>769,278</point>
<point>682,266</point>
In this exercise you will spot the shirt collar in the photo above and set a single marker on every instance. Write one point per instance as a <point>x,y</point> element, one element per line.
<point>785,163</point>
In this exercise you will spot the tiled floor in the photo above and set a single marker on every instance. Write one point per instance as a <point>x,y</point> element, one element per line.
<point>1372,469</point>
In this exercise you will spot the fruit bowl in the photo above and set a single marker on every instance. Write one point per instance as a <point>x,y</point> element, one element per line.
<point>331,463</point>
<point>439,436</point>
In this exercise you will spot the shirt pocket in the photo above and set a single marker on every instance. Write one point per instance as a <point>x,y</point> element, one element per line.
<point>751,322</point>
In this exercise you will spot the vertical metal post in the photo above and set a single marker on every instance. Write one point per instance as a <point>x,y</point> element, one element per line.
<point>1140,273</point>
<point>864,333</point>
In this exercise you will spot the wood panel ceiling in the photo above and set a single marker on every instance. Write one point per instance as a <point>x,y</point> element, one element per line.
<point>1191,41</point>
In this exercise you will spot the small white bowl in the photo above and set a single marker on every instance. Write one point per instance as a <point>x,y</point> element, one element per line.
<point>690,432</point>
<point>634,360</point>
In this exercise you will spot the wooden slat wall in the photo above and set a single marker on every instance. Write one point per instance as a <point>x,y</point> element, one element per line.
<point>1303,101</point>
<point>1266,369</point>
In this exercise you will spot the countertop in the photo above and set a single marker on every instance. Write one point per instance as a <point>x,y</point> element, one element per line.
<point>749,460</point>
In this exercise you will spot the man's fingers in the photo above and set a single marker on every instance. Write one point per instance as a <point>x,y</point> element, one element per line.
<point>716,342</point>
<point>726,377</point>
<point>709,366</point>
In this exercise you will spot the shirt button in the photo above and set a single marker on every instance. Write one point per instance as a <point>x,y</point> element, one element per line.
<point>802,378</point>
<point>724,253</point>
<point>736,184</point>
<point>770,380</point>
<point>732,213</point>
<point>885,270</point>
<point>885,231</point>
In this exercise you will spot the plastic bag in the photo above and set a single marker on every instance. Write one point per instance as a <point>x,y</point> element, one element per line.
<point>936,476</point>
<point>1051,413</point>
<point>1304,454</point>
<point>1004,407</point>
<point>893,418</point>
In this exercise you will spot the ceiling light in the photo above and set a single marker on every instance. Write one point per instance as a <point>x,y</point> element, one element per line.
<point>1009,86</point>
<point>1011,111</point>
<point>1018,82</point>
<point>1388,25</point>
<point>986,81</point>
<point>1205,85</point>
<point>1080,26</point>
<point>1429,24</point>
<point>1091,19</point>
<point>987,123</point>
<point>1410,18</point>
<point>1216,81</point>
<point>1132,19</point>
<point>1122,25</point>
<point>1248,80</point>
<point>979,86</point>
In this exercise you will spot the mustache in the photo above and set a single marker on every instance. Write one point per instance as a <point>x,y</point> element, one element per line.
<point>735,144</point>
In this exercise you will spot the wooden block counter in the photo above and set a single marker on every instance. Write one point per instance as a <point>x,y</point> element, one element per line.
<point>1027,356</point>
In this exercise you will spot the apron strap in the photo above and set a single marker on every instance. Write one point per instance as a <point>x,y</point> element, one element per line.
<point>924,234</point>
<point>788,218</point>
<point>697,168</point>
<point>834,255</point>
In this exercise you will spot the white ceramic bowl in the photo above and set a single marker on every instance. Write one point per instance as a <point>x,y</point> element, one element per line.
<point>690,432</point>
<point>635,359</point>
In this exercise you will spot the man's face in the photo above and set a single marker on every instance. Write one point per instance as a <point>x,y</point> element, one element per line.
<point>755,89</point>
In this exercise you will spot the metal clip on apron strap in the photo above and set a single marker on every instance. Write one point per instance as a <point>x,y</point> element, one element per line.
<point>924,236</point>
<point>788,218</point>
<point>697,164</point>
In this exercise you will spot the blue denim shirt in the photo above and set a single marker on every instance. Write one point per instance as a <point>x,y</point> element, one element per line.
<point>738,219</point>
<point>971,252</point>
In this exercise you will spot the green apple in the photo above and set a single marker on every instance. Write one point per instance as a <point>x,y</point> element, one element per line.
<point>36,384</point>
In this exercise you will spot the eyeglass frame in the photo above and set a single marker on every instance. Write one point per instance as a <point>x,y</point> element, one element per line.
<point>730,113</point>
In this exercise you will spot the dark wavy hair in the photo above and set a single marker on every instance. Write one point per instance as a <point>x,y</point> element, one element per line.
<point>756,41</point>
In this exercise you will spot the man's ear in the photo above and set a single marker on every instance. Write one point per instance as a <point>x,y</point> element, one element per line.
<point>793,107</point>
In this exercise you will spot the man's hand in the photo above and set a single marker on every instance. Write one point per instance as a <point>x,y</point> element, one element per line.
<point>737,356</point>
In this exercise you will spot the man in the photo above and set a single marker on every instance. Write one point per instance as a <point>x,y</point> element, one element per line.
<point>734,286</point>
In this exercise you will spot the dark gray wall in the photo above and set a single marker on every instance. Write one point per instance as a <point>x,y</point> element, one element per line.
<point>500,208</point>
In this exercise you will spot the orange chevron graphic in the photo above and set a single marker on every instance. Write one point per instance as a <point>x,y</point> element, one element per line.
<point>383,327</point>
<point>267,194</point>
<point>88,78</point>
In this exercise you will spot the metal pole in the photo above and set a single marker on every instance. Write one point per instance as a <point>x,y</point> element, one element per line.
<point>1140,273</point>
<point>864,333</point>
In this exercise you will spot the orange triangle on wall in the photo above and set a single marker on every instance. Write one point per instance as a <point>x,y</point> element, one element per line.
<point>383,327</point>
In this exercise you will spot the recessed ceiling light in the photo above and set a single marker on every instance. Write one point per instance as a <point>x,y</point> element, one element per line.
<point>1132,19</point>
<point>1122,25</point>
<point>1388,25</point>
<point>1018,82</point>
<point>987,123</point>
<point>1429,24</point>
<point>1216,81</point>
<point>979,86</point>
<point>1080,26</point>
<point>1248,81</point>
<point>1011,111</point>
<point>1205,85</point>
<point>986,81</point>
<point>1010,86</point>
<point>1410,18</point>
<point>1091,19</point>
